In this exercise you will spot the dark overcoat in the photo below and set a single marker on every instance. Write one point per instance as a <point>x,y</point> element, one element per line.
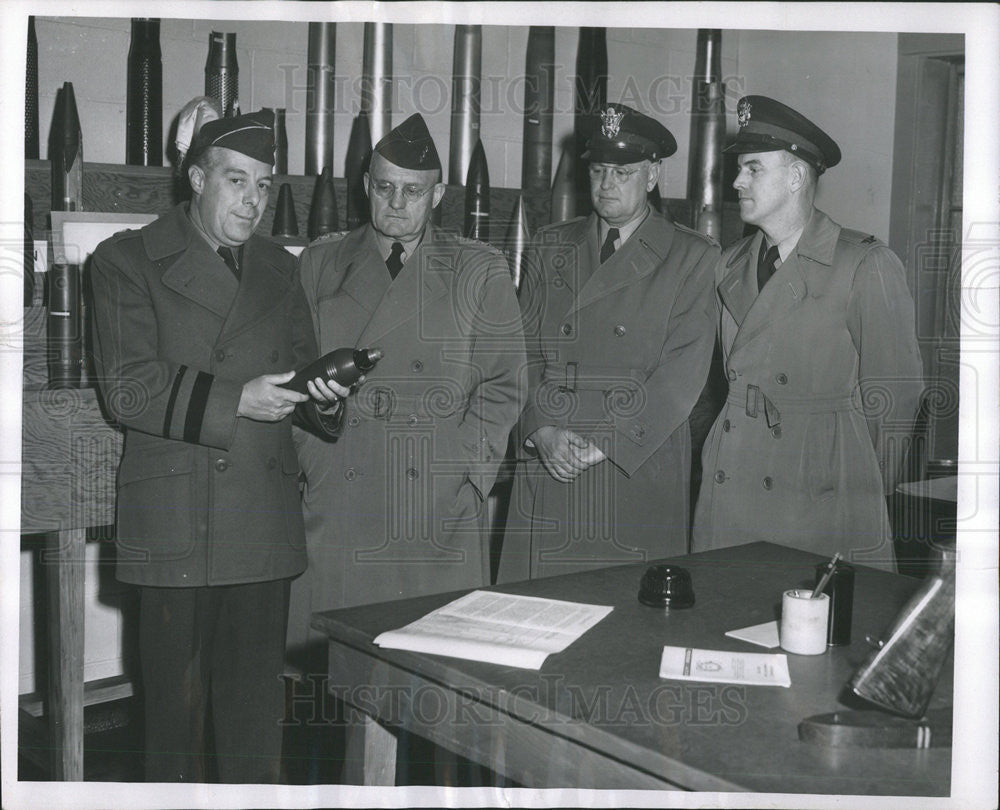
<point>204,497</point>
<point>824,380</point>
<point>618,352</point>
<point>395,507</point>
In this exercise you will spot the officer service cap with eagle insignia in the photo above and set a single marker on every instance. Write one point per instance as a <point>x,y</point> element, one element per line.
<point>767,125</point>
<point>627,136</point>
<point>410,145</point>
<point>251,135</point>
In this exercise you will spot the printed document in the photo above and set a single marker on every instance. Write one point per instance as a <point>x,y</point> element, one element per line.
<point>498,628</point>
<point>722,666</point>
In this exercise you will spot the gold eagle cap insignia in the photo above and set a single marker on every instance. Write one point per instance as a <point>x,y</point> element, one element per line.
<point>611,122</point>
<point>743,112</point>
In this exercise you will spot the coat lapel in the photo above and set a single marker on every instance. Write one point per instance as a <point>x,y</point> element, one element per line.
<point>366,278</point>
<point>811,260</point>
<point>263,286</point>
<point>738,288</point>
<point>424,278</point>
<point>570,260</point>
<point>192,270</point>
<point>645,250</point>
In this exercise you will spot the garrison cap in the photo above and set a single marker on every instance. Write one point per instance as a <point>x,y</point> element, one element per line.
<point>628,136</point>
<point>767,125</point>
<point>410,146</point>
<point>251,134</point>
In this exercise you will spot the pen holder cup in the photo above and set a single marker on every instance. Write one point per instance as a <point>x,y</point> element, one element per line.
<point>666,586</point>
<point>803,622</point>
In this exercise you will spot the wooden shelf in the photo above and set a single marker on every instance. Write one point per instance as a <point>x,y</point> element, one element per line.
<point>153,190</point>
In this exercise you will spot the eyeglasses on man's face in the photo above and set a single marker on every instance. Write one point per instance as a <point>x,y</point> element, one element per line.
<point>386,190</point>
<point>619,174</point>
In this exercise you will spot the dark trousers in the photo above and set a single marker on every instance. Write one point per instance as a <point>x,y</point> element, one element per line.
<point>217,650</point>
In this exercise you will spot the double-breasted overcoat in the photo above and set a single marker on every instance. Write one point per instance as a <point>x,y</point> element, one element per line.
<point>204,497</point>
<point>617,352</point>
<point>824,381</point>
<point>395,507</point>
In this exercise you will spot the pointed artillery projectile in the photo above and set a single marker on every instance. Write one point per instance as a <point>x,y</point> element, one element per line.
<point>323,211</point>
<point>285,221</point>
<point>477,196</point>
<point>518,238</point>
<point>359,155</point>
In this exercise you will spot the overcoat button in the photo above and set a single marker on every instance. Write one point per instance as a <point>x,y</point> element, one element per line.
<point>767,483</point>
<point>412,419</point>
<point>416,366</point>
<point>619,330</point>
<point>557,282</point>
<point>731,375</point>
<point>720,476</point>
<point>566,329</point>
<point>349,474</point>
<point>776,431</point>
<point>221,464</point>
<point>273,356</point>
<point>412,474</point>
<point>726,425</point>
<point>354,421</point>
<point>272,462</point>
<point>220,355</point>
<point>781,379</point>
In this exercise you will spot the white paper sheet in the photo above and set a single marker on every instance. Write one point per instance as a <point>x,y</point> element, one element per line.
<point>764,635</point>
<point>498,628</point>
<point>721,666</point>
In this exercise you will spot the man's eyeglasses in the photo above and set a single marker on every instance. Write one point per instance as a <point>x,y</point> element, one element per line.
<point>387,190</point>
<point>619,174</point>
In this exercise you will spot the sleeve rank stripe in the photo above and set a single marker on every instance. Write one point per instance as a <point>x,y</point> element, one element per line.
<point>174,389</point>
<point>196,406</point>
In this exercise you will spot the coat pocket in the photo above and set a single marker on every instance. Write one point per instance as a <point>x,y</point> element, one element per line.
<point>156,505</point>
<point>820,456</point>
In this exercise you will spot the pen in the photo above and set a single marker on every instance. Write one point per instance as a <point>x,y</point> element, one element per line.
<point>826,577</point>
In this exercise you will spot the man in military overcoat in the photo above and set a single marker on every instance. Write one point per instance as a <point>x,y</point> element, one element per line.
<point>619,329</point>
<point>817,330</point>
<point>197,322</point>
<point>396,508</point>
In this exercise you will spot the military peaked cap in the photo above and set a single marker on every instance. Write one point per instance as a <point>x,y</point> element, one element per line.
<point>627,136</point>
<point>767,125</point>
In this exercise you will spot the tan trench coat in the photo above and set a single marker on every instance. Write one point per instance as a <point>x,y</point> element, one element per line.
<point>618,353</point>
<point>824,381</point>
<point>395,508</point>
<point>204,497</point>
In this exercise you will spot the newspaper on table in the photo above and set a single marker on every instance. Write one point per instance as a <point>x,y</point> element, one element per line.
<point>722,666</point>
<point>497,628</point>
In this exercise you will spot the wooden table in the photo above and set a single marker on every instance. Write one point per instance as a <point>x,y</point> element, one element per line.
<point>598,716</point>
<point>69,461</point>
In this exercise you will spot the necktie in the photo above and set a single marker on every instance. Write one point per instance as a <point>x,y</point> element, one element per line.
<point>229,259</point>
<point>395,261</point>
<point>609,244</point>
<point>765,266</point>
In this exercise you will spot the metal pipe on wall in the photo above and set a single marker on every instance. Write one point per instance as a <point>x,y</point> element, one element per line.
<point>222,72</point>
<point>144,96</point>
<point>376,79</point>
<point>708,131</point>
<point>591,96</point>
<point>465,93</point>
<point>320,96</point>
<point>539,92</point>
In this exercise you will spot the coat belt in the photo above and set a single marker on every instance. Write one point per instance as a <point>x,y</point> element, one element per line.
<point>756,402</point>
